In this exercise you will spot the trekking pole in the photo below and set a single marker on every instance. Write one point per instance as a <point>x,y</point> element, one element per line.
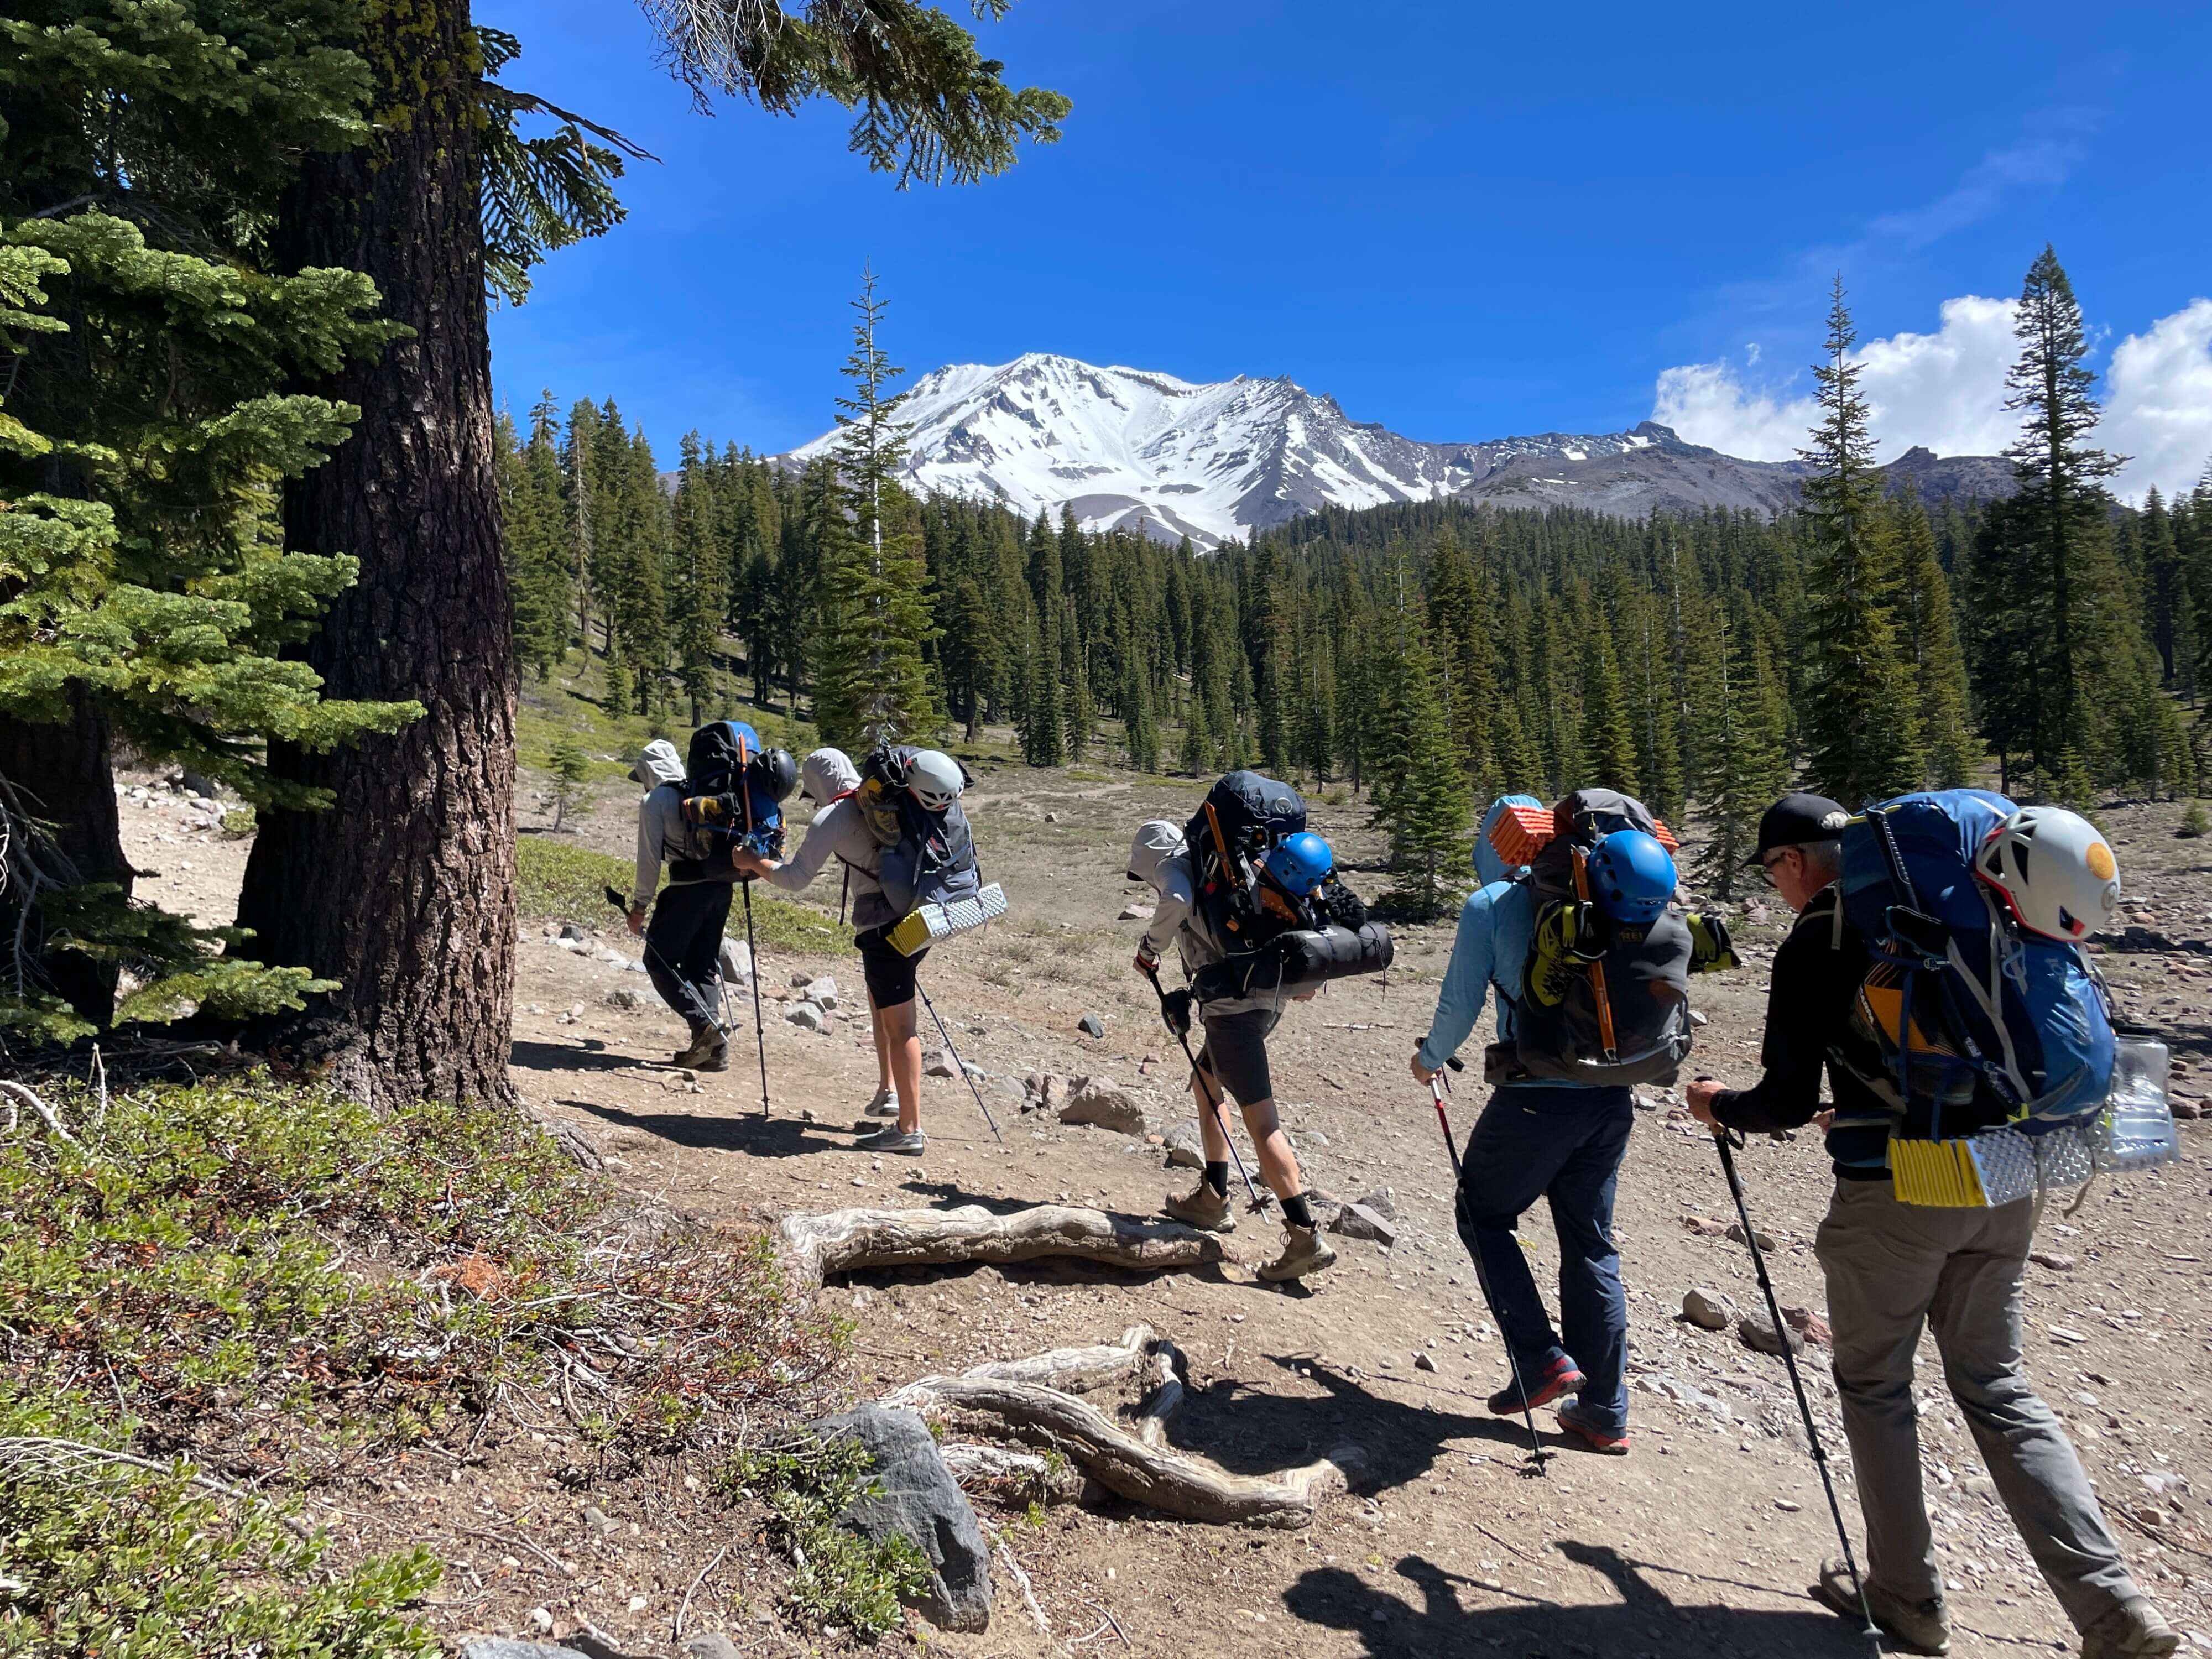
<point>1727,1140</point>
<point>752,959</point>
<point>1481,1278</point>
<point>962,1064</point>
<point>698,1003</point>
<point>1212,1104</point>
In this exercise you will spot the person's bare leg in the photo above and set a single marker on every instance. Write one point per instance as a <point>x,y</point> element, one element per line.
<point>898,1041</point>
<point>1212,1135</point>
<point>1278,1165</point>
<point>883,1046</point>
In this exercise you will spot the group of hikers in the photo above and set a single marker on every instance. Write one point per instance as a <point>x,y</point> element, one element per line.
<point>1934,977</point>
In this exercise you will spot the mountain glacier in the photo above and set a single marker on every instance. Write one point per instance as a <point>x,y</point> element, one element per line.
<point>1130,448</point>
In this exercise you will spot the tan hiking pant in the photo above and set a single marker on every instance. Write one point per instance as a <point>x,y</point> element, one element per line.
<point>1893,1269</point>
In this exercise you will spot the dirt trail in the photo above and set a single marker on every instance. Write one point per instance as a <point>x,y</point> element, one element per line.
<point>1699,1544</point>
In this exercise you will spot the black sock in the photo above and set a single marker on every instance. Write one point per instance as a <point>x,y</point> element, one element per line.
<point>1297,1210</point>
<point>1217,1177</point>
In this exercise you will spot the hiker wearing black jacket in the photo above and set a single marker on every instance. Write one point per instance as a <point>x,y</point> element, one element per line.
<point>1893,1269</point>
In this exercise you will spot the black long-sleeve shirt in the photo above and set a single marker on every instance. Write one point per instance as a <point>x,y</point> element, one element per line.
<point>1818,971</point>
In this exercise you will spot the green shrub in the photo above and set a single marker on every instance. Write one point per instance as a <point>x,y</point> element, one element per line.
<point>2194,823</point>
<point>239,822</point>
<point>841,1578</point>
<point>558,881</point>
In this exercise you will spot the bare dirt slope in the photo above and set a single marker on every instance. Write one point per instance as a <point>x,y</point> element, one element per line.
<point>1700,1543</point>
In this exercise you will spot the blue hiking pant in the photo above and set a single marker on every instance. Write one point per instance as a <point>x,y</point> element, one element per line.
<point>1565,1145</point>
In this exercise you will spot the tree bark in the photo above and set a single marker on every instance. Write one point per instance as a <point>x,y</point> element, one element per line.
<point>846,1241</point>
<point>404,892</point>
<point>64,775</point>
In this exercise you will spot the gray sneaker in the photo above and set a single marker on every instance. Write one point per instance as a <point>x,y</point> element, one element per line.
<point>1304,1252</point>
<point>1205,1209</point>
<point>882,1103</point>
<point>1918,1626</point>
<point>905,1143</point>
<point>2133,1629</point>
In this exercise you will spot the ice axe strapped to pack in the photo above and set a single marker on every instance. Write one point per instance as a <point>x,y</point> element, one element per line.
<point>734,791</point>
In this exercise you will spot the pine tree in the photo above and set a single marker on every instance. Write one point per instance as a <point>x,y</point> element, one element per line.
<point>1742,744</point>
<point>870,683</point>
<point>1608,746</point>
<point>1463,622</point>
<point>1420,798</point>
<point>1931,645</point>
<point>1861,727</point>
<point>572,776</point>
<point>1140,735</point>
<point>700,567</point>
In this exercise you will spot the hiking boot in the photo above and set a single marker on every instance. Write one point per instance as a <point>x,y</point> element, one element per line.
<point>1304,1253</point>
<point>882,1103</point>
<point>907,1143</point>
<point>1562,1376</point>
<point>2133,1629</point>
<point>706,1044</point>
<point>1613,1442</point>
<point>1920,1627</point>
<point>1204,1208</point>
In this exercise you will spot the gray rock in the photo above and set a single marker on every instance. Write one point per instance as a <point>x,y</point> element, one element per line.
<point>597,1520</point>
<point>197,783</point>
<point>1707,1309</point>
<point>1383,1201</point>
<point>1135,913</point>
<point>920,1501</point>
<point>1736,1233</point>
<point>1186,1150</point>
<point>1312,1138</point>
<point>1422,1362</point>
<point>506,1647</point>
<point>1039,1086</point>
<point>1358,1221</point>
<point>622,1000</point>
<point>936,1063</point>
<point>1092,1025</point>
<point>806,1015</point>
<point>570,930</point>
<point>713,1645</point>
<point>823,991</point>
<point>1760,1336</point>
<point>1100,1101</point>
<point>1012,1088</point>
<point>737,962</point>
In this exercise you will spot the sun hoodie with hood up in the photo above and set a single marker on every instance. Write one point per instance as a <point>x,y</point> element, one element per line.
<point>662,835</point>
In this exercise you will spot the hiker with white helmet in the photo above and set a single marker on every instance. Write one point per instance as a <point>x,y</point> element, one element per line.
<point>1885,910</point>
<point>865,821</point>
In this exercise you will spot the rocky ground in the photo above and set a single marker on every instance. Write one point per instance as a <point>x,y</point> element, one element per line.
<point>1700,1543</point>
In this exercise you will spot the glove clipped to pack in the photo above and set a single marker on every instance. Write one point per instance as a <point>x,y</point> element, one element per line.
<point>1713,950</point>
<point>1175,1011</point>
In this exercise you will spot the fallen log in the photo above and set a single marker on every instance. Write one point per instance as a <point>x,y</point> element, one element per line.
<point>1076,1371</point>
<point>847,1241</point>
<point>1019,1475</point>
<point>1123,1463</point>
<point>1150,1421</point>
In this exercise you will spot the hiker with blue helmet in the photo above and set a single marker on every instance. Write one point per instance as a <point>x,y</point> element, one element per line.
<point>1567,894</point>
<point>1896,1267</point>
<point>1252,901</point>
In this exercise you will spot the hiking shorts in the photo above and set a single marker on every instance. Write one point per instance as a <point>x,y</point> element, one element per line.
<point>891,977</point>
<point>1235,1053</point>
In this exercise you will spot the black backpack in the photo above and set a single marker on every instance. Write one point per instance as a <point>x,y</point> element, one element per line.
<point>929,858</point>
<point>728,801</point>
<point>1600,1003</point>
<point>1243,815</point>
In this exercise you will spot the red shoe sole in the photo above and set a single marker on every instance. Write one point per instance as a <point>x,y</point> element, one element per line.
<point>1598,1440</point>
<point>1560,1383</point>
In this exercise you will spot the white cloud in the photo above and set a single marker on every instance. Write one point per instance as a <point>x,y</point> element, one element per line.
<point>1946,390</point>
<point>2157,407</point>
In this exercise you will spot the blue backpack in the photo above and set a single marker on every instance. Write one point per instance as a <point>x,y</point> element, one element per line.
<point>726,797</point>
<point>1965,1022</point>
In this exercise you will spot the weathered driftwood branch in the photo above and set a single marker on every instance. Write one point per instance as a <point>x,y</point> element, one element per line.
<point>846,1241</point>
<point>1165,1363</point>
<point>1122,1463</point>
<point>1076,1371</point>
<point>1018,1475</point>
<point>47,1115</point>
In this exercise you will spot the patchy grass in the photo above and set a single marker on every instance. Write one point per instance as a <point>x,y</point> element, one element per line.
<point>277,1284</point>
<point>559,881</point>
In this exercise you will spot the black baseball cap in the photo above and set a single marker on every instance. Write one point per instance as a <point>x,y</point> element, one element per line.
<point>1796,819</point>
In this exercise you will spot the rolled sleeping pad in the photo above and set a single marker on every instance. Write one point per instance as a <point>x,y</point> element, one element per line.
<point>1316,957</point>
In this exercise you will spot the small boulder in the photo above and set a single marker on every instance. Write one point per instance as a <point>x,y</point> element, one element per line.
<point>822,992</point>
<point>806,1015</point>
<point>1422,1362</point>
<point>1358,1221</point>
<point>1092,1025</point>
<point>1707,1309</point>
<point>1765,1241</point>
<point>1383,1201</point>
<point>1039,1086</point>
<point>570,930</point>
<point>506,1647</point>
<point>934,1064</point>
<point>1186,1150</point>
<point>1312,1138</point>
<point>712,1645</point>
<point>737,962</point>
<point>1135,913</point>
<point>1808,1325</point>
<point>1100,1101</point>
<point>920,1500</point>
<point>1760,1336</point>
<point>599,1522</point>
<point>801,979</point>
<point>622,1000</point>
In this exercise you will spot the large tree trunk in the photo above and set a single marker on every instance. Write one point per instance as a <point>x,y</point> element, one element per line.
<point>63,776</point>
<point>404,892</point>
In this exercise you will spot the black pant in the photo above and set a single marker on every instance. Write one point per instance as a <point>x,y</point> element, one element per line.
<point>685,948</point>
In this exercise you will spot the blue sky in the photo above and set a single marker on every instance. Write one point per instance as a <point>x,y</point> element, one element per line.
<point>1463,221</point>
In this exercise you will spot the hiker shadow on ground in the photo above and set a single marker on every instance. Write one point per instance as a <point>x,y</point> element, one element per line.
<point>1424,1617</point>
<point>746,1131</point>
<point>1253,1431</point>
<point>590,1056</point>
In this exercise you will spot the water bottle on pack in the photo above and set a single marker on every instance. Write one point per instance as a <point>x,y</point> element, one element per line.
<point>2135,1130</point>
